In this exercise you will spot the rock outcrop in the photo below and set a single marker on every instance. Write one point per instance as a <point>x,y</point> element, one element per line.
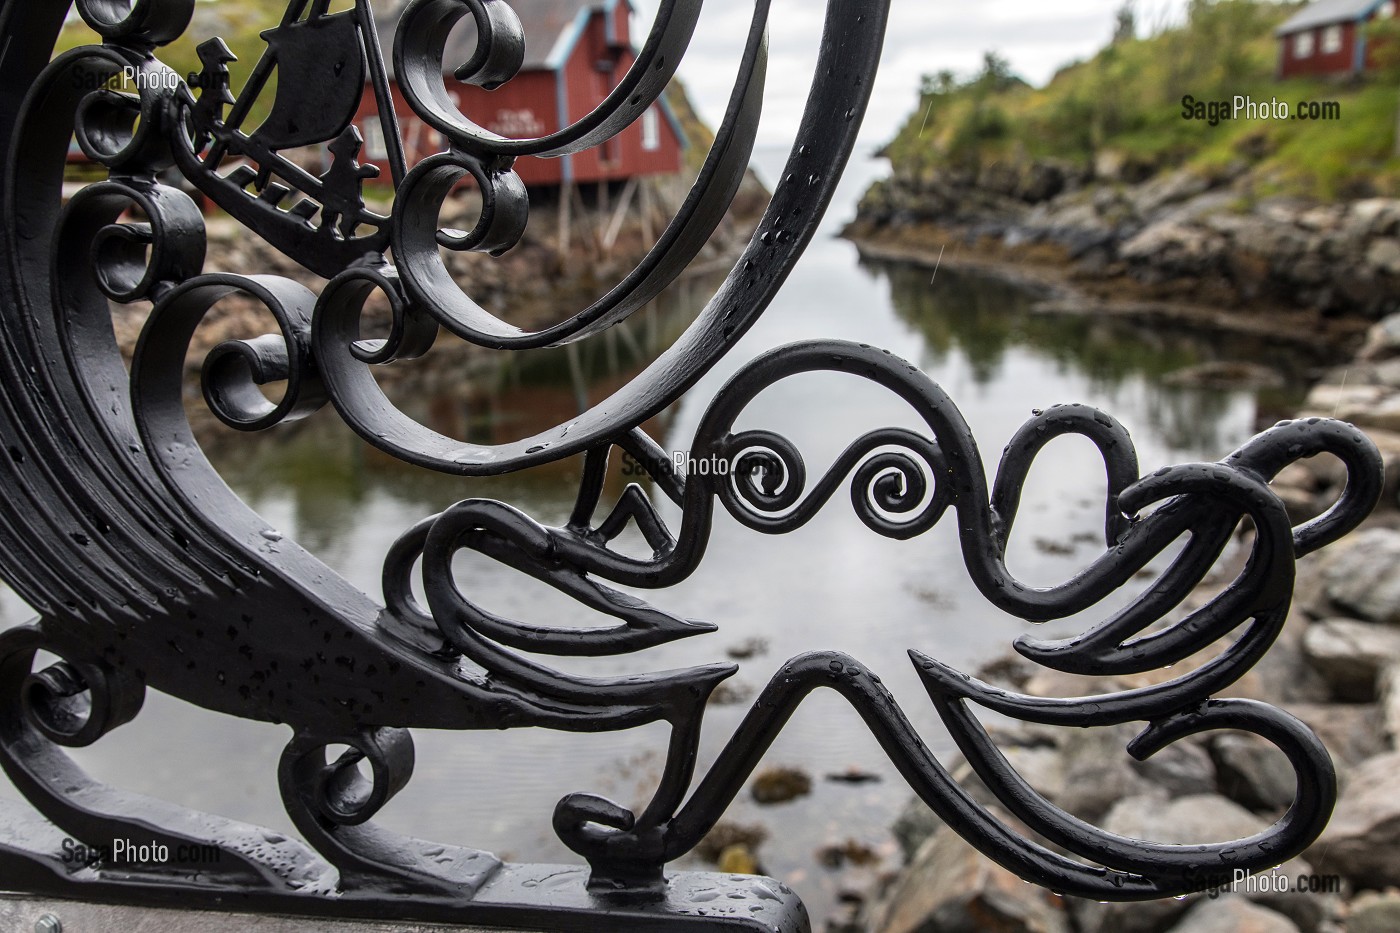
<point>1175,235</point>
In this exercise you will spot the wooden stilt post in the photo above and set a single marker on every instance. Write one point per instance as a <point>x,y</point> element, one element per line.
<point>610,347</point>
<point>584,216</point>
<point>576,377</point>
<point>565,222</point>
<point>646,210</point>
<point>624,204</point>
<point>629,340</point>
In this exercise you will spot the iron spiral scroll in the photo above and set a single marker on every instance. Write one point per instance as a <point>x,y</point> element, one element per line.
<point>147,571</point>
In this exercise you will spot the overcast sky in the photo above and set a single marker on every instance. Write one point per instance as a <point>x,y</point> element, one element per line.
<point>924,36</point>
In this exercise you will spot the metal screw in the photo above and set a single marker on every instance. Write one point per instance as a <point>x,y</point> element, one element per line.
<point>48,923</point>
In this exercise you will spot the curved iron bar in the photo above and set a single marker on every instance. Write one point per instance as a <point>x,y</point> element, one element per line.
<point>839,94</point>
<point>1196,500</point>
<point>147,571</point>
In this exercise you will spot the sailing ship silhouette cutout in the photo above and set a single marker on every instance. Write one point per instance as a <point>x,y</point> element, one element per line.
<point>321,55</point>
<point>320,60</point>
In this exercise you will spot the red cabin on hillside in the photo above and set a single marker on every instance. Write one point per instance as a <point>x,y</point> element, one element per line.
<point>1328,38</point>
<point>575,52</point>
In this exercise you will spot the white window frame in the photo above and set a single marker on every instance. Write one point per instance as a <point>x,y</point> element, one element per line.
<point>376,146</point>
<point>1303,44</point>
<point>1331,40</point>
<point>651,129</point>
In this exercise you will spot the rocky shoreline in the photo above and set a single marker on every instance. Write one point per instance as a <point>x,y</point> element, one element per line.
<point>1174,237</point>
<point>1049,275</point>
<point>1336,667</point>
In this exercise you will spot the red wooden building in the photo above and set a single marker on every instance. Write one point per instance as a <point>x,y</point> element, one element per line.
<point>575,53</point>
<point>1328,37</point>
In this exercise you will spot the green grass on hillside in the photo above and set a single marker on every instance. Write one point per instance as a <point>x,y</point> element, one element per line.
<point>1127,100</point>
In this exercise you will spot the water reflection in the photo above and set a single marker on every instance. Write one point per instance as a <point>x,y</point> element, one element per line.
<point>986,320</point>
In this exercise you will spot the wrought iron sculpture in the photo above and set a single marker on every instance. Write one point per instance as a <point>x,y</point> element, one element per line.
<point>147,571</point>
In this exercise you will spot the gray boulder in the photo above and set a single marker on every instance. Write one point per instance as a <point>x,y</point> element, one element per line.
<point>1253,772</point>
<point>1194,819</point>
<point>1175,246</point>
<point>950,887</point>
<point>1382,340</point>
<point>1362,575</point>
<point>1388,685</point>
<point>1331,474</point>
<point>1099,772</point>
<point>1233,914</point>
<point>1374,912</point>
<point>1199,818</point>
<point>1351,731</point>
<point>1373,217</point>
<point>1351,398</point>
<point>1284,673</point>
<point>1383,255</point>
<point>1382,416</point>
<point>1362,839</point>
<point>1350,655</point>
<point>1040,763</point>
<point>1182,768</point>
<point>1168,188</point>
<point>1148,817</point>
<point>915,823</point>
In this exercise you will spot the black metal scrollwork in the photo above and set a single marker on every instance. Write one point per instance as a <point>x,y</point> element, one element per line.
<point>148,572</point>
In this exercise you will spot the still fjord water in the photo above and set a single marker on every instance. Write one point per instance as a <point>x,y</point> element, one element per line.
<point>833,584</point>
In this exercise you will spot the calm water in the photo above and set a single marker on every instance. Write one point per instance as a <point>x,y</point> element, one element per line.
<point>834,584</point>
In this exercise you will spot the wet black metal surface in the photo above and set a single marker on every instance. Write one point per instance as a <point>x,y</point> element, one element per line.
<point>148,572</point>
